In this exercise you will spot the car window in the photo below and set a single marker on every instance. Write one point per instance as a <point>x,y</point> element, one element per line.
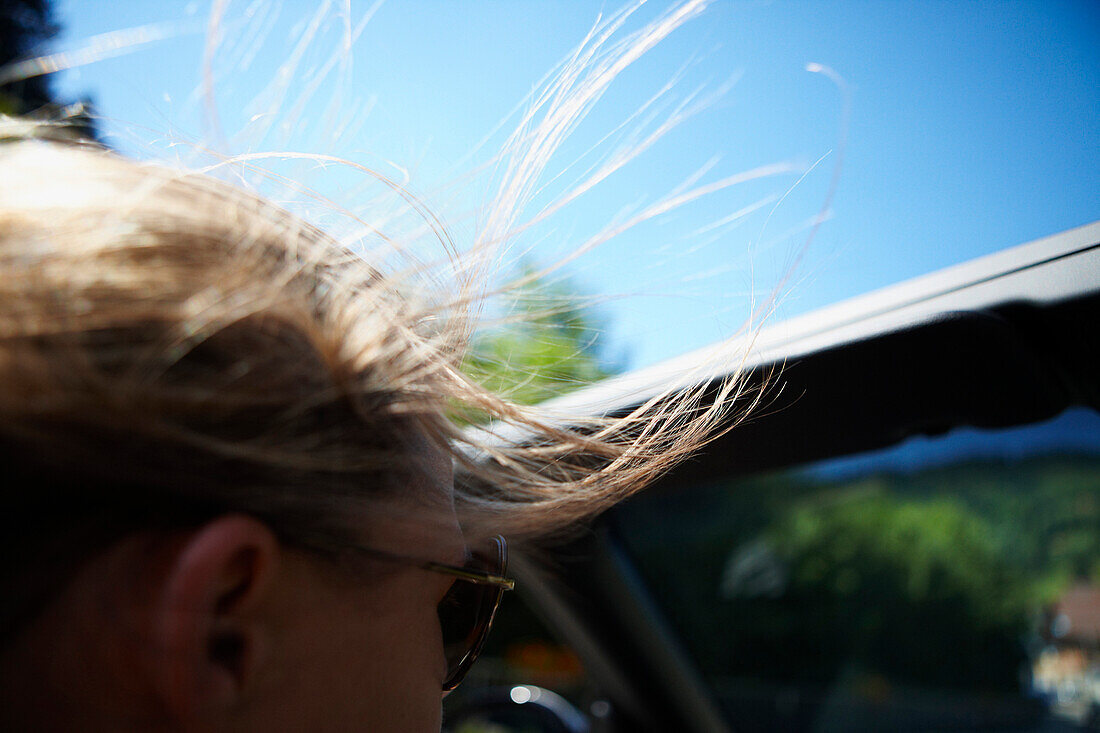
<point>949,582</point>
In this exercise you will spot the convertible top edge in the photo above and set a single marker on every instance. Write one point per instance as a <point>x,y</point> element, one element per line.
<point>1051,269</point>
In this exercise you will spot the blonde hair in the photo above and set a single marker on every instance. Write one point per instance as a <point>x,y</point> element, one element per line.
<point>168,340</point>
<point>173,347</point>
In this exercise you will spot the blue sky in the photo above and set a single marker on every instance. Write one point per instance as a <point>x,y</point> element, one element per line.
<point>974,126</point>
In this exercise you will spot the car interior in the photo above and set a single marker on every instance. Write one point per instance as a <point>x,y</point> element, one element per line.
<point>903,535</point>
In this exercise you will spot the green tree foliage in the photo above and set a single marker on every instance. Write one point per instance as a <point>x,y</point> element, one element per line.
<point>929,578</point>
<point>544,344</point>
<point>1044,512</point>
<point>915,589</point>
<point>26,27</point>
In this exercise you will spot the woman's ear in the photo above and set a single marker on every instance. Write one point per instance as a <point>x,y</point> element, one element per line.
<point>205,616</point>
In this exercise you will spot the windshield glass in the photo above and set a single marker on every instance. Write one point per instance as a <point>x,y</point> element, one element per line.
<point>945,583</point>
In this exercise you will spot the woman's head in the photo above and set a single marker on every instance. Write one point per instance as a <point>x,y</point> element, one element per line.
<point>234,353</point>
<point>200,390</point>
<point>241,459</point>
<point>231,460</point>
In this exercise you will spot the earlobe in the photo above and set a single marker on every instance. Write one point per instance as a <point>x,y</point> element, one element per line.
<point>207,621</point>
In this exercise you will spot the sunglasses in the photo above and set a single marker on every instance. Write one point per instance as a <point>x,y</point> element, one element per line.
<point>467,610</point>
